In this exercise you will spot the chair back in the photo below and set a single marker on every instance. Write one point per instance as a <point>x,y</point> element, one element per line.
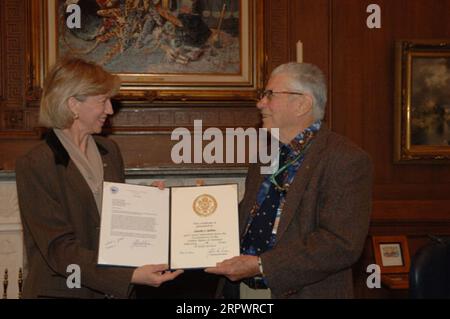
<point>429,276</point>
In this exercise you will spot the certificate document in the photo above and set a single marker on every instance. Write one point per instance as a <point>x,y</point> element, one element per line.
<point>185,227</point>
<point>134,229</point>
<point>204,225</point>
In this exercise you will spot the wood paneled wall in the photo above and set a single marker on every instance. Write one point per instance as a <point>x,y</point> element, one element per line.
<point>359,62</point>
<point>408,199</point>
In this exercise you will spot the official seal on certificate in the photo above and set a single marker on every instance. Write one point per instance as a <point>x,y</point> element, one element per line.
<point>204,205</point>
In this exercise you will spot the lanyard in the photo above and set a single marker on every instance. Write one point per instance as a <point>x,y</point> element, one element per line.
<point>286,166</point>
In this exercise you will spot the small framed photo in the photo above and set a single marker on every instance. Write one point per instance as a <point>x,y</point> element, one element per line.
<point>391,253</point>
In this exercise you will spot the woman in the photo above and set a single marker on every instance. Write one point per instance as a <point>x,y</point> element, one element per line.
<point>59,185</point>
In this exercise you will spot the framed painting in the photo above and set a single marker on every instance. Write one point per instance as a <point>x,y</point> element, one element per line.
<point>422,106</point>
<point>162,49</point>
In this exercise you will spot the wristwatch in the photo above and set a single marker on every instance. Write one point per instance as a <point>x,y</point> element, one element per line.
<point>260,266</point>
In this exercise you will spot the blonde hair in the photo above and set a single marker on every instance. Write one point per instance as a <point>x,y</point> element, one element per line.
<point>72,77</point>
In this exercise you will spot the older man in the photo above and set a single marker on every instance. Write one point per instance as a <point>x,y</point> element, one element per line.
<point>304,226</point>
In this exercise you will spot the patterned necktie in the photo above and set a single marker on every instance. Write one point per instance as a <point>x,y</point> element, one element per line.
<point>259,233</point>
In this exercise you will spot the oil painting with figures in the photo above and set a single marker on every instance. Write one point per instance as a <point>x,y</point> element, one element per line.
<point>156,36</point>
<point>430,101</point>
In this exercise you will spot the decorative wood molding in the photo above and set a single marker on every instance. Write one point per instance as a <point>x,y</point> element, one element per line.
<point>413,211</point>
<point>413,190</point>
<point>412,218</point>
<point>14,49</point>
<point>165,118</point>
<point>33,71</point>
<point>16,121</point>
<point>2,52</point>
<point>19,123</point>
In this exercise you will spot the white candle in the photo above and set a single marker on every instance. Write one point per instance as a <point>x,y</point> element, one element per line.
<point>299,52</point>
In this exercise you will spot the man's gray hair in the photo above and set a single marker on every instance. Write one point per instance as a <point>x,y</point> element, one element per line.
<point>306,78</point>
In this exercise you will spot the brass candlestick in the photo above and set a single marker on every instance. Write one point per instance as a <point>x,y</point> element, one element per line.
<point>20,283</point>
<point>5,284</point>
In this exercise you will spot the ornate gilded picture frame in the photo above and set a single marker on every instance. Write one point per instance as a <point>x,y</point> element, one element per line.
<point>167,50</point>
<point>422,102</point>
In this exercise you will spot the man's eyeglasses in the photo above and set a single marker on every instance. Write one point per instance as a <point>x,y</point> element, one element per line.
<point>269,94</point>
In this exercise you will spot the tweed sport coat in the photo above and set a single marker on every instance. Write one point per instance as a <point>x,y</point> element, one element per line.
<point>61,223</point>
<point>324,223</point>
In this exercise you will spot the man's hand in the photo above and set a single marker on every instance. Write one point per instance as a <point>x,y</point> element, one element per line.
<point>237,268</point>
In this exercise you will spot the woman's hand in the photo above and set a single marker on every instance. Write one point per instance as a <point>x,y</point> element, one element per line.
<point>153,275</point>
<point>160,184</point>
<point>200,182</point>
